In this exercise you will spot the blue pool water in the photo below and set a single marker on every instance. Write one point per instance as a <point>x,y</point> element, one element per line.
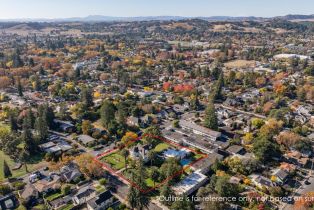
<point>184,162</point>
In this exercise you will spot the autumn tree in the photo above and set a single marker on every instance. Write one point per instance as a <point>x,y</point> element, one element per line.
<point>87,127</point>
<point>88,166</point>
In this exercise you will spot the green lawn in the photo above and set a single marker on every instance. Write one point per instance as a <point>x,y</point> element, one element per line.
<point>115,160</point>
<point>54,196</point>
<point>35,163</point>
<point>100,188</point>
<point>161,147</point>
<point>150,182</point>
<point>40,207</point>
<point>67,207</point>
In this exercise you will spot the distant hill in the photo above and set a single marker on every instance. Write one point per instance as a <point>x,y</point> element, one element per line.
<point>101,18</point>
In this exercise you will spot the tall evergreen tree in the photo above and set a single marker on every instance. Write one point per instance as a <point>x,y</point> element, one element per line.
<point>29,118</point>
<point>136,197</point>
<point>19,88</point>
<point>13,123</point>
<point>6,170</point>
<point>107,113</point>
<point>132,197</point>
<point>211,120</point>
<point>41,128</point>
<point>27,138</point>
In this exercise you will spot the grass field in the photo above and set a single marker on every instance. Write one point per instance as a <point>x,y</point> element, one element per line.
<point>115,160</point>
<point>35,164</point>
<point>161,147</point>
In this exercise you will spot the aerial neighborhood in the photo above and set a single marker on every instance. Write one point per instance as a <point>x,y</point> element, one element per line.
<point>136,114</point>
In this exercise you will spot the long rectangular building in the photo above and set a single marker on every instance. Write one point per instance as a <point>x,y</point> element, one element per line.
<point>200,130</point>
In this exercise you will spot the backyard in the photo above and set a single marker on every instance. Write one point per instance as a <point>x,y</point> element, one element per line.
<point>35,163</point>
<point>115,160</point>
<point>161,147</point>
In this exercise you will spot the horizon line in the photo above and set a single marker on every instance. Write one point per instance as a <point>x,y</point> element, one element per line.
<point>151,16</point>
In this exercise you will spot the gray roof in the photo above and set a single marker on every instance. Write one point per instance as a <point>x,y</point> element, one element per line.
<point>234,149</point>
<point>207,162</point>
<point>84,192</point>
<point>85,139</point>
<point>100,199</point>
<point>201,129</point>
<point>281,174</point>
<point>29,191</point>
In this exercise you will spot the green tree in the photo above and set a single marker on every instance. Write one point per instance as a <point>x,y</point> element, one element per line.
<point>19,88</point>
<point>13,123</point>
<point>66,189</point>
<point>182,204</point>
<point>151,156</point>
<point>132,197</point>
<point>166,192</point>
<point>30,118</point>
<point>41,129</point>
<point>23,158</point>
<point>226,189</point>
<point>136,197</point>
<point>265,149</point>
<point>87,97</point>
<point>151,135</point>
<point>27,138</point>
<point>211,120</point>
<point>6,170</point>
<point>154,175</point>
<point>107,113</point>
<point>125,153</point>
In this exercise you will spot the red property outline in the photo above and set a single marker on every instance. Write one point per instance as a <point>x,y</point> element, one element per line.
<point>114,172</point>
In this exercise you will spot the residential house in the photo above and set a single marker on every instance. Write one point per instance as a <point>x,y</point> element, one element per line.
<point>8,202</point>
<point>59,202</point>
<point>70,173</point>
<point>65,126</point>
<point>85,139</point>
<point>296,158</point>
<point>140,151</point>
<point>48,184</point>
<point>204,165</point>
<point>236,150</point>
<point>261,181</point>
<point>83,195</point>
<point>29,193</point>
<point>281,176</point>
<point>102,201</point>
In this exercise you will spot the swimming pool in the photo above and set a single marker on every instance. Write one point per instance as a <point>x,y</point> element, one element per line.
<point>185,161</point>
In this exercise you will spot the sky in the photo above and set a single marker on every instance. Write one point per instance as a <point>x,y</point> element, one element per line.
<point>11,9</point>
